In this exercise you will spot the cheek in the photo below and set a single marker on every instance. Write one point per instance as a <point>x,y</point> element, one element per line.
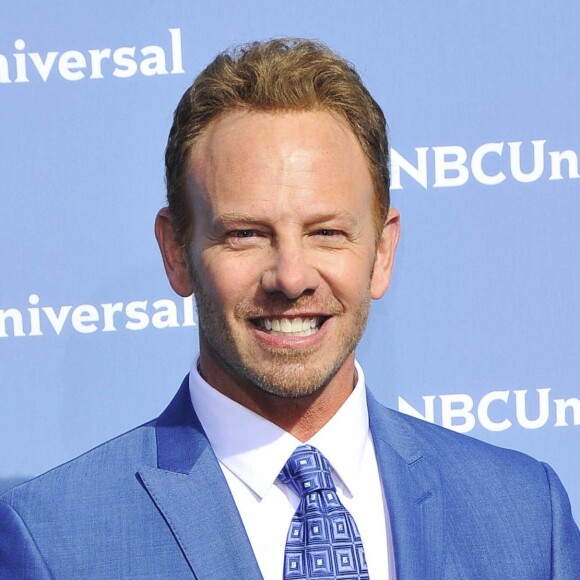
<point>349,279</point>
<point>228,280</point>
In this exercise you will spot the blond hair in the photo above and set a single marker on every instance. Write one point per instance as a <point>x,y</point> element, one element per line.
<point>287,74</point>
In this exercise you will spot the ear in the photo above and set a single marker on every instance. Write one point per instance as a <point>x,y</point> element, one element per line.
<point>385,257</point>
<point>173,254</point>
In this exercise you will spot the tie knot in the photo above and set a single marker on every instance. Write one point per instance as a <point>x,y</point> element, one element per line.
<point>307,470</point>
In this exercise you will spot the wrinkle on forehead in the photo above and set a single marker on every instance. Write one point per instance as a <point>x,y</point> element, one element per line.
<point>222,144</point>
<point>277,164</point>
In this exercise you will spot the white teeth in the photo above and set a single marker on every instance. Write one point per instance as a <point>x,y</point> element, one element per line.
<point>291,326</point>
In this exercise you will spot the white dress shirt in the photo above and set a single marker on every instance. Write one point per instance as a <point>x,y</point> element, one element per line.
<point>251,452</point>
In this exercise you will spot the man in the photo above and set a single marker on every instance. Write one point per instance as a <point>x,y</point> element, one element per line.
<point>272,460</point>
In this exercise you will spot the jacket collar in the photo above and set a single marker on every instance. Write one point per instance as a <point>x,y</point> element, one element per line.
<point>190,491</point>
<point>413,492</point>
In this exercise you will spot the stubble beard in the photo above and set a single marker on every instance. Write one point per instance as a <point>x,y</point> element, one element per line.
<point>286,373</point>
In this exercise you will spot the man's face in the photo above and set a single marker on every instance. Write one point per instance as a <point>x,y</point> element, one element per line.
<point>283,249</point>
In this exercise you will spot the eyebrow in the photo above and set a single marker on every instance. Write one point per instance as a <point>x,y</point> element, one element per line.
<point>226,219</point>
<point>339,214</point>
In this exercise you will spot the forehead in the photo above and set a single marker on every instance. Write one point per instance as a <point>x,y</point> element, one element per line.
<point>246,155</point>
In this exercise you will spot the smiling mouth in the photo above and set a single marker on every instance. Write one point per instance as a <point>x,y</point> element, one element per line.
<point>294,326</point>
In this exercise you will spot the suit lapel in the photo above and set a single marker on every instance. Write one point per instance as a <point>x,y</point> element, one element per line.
<point>189,489</point>
<point>193,497</point>
<point>414,495</point>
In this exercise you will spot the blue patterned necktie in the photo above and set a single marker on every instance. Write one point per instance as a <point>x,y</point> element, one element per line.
<point>323,541</point>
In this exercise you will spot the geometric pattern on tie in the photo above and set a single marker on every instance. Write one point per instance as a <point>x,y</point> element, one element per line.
<point>323,541</point>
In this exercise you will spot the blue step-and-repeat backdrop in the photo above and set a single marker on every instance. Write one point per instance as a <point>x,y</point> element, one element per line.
<point>480,330</point>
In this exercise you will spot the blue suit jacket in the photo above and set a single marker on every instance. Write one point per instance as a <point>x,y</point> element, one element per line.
<point>153,503</point>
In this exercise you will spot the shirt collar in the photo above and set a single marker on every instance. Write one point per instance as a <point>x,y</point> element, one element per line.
<point>255,449</point>
<point>344,438</point>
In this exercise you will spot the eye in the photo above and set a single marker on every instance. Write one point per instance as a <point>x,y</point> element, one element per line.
<point>246,238</point>
<point>241,234</point>
<point>329,237</point>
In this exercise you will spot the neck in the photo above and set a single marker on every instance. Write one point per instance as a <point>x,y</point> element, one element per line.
<point>301,416</point>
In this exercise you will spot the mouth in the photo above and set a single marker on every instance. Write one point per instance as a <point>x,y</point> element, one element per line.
<point>290,326</point>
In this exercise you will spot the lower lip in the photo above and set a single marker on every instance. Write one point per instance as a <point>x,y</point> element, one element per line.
<point>281,341</point>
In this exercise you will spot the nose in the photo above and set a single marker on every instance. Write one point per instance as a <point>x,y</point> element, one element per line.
<point>290,272</point>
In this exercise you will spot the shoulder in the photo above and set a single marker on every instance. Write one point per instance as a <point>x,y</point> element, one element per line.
<point>69,522</point>
<point>500,500</point>
<point>110,466</point>
<point>461,460</point>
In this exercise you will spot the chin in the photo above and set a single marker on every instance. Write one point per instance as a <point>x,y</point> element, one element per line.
<point>290,381</point>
